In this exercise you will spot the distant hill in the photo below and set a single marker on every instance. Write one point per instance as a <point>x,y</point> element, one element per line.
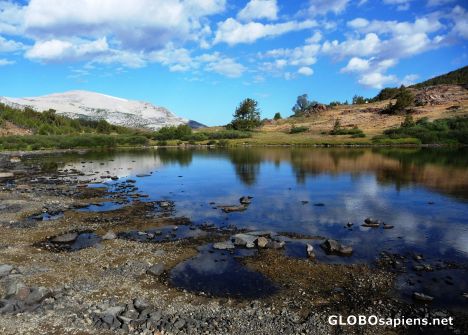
<point>457,77</point>
<point>94,106</point>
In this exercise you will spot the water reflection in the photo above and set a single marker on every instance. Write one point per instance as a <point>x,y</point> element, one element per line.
<point>422,192</point>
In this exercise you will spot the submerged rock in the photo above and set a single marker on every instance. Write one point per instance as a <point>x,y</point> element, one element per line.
<point>229,209</point>
<point>65,238</point>
<point>371,223</point>
<point>226,245</point>
<point>245,200</point>
<point>272,244</point>
<point>422,297</point>
<point>333,247</point>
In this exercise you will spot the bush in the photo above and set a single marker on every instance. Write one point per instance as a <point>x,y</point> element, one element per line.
<point>338,130</point>
<point>295,130</point>
<point>277,116</point>
<point>442,131</point>
<point>223,143</point>
<point>173,133</point>
<point>246,116</point>
<point>404,100</point>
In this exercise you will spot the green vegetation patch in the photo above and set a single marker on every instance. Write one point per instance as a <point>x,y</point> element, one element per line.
<point>441,131</point>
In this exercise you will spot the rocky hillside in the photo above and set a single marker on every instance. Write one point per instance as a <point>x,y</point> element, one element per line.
<point>96,106</point>
<point>457,77</point>
<point>432,102</point>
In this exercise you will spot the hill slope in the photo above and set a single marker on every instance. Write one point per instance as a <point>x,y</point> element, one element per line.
<point>96,106</point>
<point>457,77</point>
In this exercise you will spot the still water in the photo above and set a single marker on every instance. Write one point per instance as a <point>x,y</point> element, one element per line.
<point>423,193</point>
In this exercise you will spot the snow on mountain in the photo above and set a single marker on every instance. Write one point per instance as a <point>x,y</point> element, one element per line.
<point>96,106</point>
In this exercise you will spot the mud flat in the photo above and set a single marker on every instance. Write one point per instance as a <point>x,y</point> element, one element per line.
<point>72,264</point>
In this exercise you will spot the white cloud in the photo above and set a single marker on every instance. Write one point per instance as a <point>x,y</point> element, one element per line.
<point>233,32</point>
<point>377,80</point>
<point>434,3</point>
<point>136,24</point>
<point>226,66</point>
<point>460,18</point>
<point>52,50</point>
<point>322,7</point>
<point>409,79</point>
<point>369,45</point>
<point>11,17</point>
<point>356,64</point>
<point>10,45</point>
<point>4,62</point>
<point>315,38</point>
<point>305,71</point>
<point>358,23</point>
<point>401,4</point>
<point>259,9</point>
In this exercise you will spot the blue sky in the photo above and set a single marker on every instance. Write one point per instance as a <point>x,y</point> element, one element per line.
<point>200,58</point>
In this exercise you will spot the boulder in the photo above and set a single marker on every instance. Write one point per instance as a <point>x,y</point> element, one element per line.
<point>333,247</point>
<point>140,304</point>
<point>244,240</point>
<point>262,242</point>
<point>272,244</point>
<point>5,175</point>
<point>156,270</point>
<point>371,223</point>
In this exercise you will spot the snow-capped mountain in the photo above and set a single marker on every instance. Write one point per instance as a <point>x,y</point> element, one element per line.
<point>96,106</point>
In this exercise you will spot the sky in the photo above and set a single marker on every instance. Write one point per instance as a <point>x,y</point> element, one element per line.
<point>200,58</point>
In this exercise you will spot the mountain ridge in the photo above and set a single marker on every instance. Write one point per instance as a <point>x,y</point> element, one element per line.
<point>97,106</point>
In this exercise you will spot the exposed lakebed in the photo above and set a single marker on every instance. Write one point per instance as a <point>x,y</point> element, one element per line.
<point>295,203</point>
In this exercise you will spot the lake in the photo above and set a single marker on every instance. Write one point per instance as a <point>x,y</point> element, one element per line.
<point>311,192</point>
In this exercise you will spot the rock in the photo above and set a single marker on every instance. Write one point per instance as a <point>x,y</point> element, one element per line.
<point>422,297</point>
<point>5,175</point>
<point>369,222</point>
<point>319,204</point>
<point>227,245</point>
<point>114,311</point>
<point>143,175</point>
<point>262,242</point>
<point>349,224</point>
<point>179,324</point>
<point>244,240</point>
<point>156,270</point>
<point>272,244</point>
<point>333,247</point>
<point>229,209</point>
<point>5,270</point>
<point>465,295</point>
<point>310,251</point>
<point>65,238</point>
<point>37,295</point>
<point>110,235</point>
<point>140,304</point>
<point>245,200</point>
<point>387,226</point>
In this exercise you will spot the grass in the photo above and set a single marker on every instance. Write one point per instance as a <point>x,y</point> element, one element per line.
<point>38,142</point>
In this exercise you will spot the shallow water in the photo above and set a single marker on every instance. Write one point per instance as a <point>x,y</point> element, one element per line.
<point>423,193</point>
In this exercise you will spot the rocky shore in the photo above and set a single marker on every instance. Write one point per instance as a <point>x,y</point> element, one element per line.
<point>70,263</point>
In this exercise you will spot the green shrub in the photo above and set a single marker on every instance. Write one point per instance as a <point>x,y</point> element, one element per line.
<point>299,129</point>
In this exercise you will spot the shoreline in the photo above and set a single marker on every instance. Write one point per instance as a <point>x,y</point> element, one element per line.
<point>86,285</point>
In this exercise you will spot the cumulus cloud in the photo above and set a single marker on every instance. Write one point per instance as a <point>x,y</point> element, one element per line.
<point>322,7</point>
<point>376,80</point>
<point>305,71</point>
<point>11,17</point>
<point>54,49</point>
<point>4,62</point>
<point>460,18</point>
<point>10,45</point>
<point>233,32</point>
<point>400,4</point>
<point>137,24</point>
<point>225,66</point>
<point>259,9</point>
